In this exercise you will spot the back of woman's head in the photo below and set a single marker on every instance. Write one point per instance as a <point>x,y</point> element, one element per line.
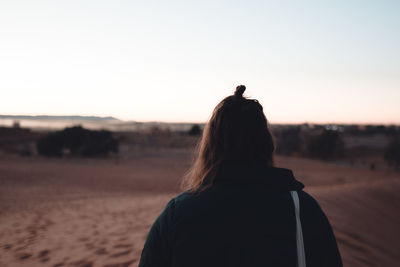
<point>237,132</point>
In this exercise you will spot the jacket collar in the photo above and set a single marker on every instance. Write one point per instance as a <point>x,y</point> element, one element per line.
<point>273,178</point>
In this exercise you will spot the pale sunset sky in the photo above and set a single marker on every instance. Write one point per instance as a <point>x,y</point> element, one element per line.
<point>305,61</point>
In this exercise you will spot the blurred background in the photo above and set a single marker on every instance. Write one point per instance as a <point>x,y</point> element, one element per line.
<point>102,104</point>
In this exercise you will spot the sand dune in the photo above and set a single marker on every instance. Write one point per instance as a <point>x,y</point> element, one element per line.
<point>97,212</point>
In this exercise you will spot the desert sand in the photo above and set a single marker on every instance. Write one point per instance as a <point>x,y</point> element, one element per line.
<point>81,212</point>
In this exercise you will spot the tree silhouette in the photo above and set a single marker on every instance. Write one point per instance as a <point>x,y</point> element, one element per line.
<point>195,130</point>
<point>326,145</point>
<point>392,153</point>
<point>78,141</point>
<point>288,141</point>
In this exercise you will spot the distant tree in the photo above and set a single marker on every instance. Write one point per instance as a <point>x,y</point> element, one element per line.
<point>50,145</point>
<point>393,130</point>
<point>392,153</point>
<point>380,129</point>
<point>289,140</point>
<point>326,145</point>
<point>78,141</point>
<point>194,130</point>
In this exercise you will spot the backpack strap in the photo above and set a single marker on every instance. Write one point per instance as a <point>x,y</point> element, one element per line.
<point>301,256</point>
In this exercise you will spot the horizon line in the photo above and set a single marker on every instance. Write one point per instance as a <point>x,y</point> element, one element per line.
<point>108,117</point>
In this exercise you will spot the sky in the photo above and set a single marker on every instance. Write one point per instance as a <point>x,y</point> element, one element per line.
<point>305,61</point>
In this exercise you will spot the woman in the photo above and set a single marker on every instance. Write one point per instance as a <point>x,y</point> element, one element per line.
<point>237,210</point>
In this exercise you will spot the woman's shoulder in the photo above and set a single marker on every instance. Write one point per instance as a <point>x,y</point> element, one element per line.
<point>187,197</point>
<point>178,200</point>
<point>189,202</point>
<point>308,202</point>
<point>307,198</point>
<point>311,213</point>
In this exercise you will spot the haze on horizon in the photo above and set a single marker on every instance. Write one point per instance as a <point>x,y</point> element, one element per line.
<point>335,61</point>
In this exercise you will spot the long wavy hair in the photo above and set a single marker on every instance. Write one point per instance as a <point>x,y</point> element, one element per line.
<point>237,132</point>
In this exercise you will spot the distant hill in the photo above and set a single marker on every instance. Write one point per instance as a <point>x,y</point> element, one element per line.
<point>49,122</point>
<point>49,117</point>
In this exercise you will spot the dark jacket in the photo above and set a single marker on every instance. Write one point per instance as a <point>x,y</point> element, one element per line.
<point>245,219</point>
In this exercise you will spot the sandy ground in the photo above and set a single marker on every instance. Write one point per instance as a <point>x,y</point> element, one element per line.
<point>74,212</point>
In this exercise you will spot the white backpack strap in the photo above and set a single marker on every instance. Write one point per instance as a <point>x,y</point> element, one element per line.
<point>301,256</point>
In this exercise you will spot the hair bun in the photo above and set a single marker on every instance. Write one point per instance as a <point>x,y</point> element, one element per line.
<point>240,90</point>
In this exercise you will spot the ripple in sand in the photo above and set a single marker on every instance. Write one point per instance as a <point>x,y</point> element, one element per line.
<point>123,253</point>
